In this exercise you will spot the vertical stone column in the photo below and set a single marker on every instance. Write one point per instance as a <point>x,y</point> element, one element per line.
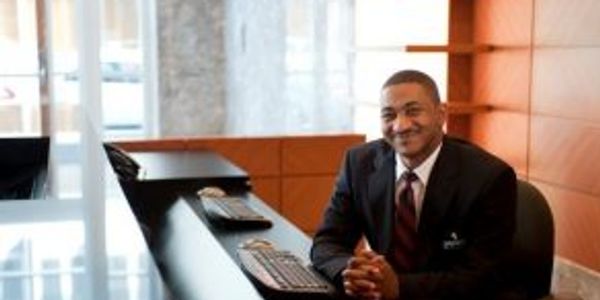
<point>191,67</point>
<point>255,47</point>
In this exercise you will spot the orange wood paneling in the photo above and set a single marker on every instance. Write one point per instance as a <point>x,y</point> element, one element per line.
<point>503,23</point>
<point>552,82</point>
<point>268,189</point>
<point>257,156</point>
<point>503,133</point>
<point>461,22</point>
<point>564,22</point>
<point>565,153</point>
<point>315,155</point>
<point>566,83</point>
<point>501,79</point>
<point>459,66</point>
<point>304,200</point>
<point>577,224</point>
<point>454,48</point>
<point>153,145</point>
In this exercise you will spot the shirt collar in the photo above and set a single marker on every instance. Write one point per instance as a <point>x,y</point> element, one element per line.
<point>423,170</point>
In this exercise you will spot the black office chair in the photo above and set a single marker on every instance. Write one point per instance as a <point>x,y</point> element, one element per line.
<point>532,256</point>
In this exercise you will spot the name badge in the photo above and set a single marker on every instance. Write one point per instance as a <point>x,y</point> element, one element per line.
<point>454,242</point>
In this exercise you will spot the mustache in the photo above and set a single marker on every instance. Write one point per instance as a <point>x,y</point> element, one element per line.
<point>406,132</point>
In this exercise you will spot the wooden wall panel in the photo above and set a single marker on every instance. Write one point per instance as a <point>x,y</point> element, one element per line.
<point>504,134</point>
<point>576,223</point>
<point>304,200</point>
<point>268,189</point>
<point>460,66</point>
<point>565,22</point>
<point>501,79</point>
<point>566,83</point>
<point>257,156</point>
<point>503,23</point>
<point>549,74</point>
<point>315,155</point>
<point>565,153</point>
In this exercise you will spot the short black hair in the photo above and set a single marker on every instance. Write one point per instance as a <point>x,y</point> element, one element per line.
<point>414,76</point>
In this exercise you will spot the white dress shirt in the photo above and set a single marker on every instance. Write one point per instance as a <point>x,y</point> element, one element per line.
<point>422,171</point>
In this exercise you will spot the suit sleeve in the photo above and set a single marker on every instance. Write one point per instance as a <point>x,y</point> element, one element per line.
<point>491,229</point>
<point>340,231</point>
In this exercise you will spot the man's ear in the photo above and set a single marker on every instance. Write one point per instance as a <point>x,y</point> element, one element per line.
<point>442,111</point>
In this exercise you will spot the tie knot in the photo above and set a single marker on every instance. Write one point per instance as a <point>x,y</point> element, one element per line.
<point>409,176</point>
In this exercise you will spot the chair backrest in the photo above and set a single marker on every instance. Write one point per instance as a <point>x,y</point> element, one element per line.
<point>533,245</point>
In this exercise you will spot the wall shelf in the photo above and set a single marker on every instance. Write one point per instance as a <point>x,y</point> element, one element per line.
<point>451,49</point>
<point>467,108</point>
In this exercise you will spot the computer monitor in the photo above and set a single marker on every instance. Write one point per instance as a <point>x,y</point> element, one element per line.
<point>23,167</point>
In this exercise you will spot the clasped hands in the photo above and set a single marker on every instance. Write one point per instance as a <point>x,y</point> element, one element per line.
<point>369,276</point>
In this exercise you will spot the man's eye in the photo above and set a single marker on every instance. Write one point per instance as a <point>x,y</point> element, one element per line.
<point>413,111</point>
<point>387,116</point>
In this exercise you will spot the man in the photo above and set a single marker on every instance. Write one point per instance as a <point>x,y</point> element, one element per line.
<point>437,213</point>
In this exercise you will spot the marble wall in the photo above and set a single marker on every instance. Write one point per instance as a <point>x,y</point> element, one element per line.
<point>191,54</point>
<point>261,67</point>
<point>255,38</point>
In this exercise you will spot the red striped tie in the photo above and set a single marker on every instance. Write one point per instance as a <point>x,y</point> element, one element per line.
<point>405,230</point>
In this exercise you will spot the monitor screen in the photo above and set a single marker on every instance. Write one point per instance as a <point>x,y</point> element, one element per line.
<point>23,167</point>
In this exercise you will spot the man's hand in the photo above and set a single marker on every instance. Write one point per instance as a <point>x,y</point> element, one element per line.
<point>362,278</point>
<point>389,286</point>
<point>368,275</point>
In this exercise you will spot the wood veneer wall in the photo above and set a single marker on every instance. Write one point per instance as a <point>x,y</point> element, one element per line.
<point>293,174</point>
<point>543,80</point>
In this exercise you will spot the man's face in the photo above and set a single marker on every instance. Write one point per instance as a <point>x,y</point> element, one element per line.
<point>411,121</point>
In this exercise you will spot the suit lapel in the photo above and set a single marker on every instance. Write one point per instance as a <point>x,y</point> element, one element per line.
<point>381,196</point>
<point>440,188</point>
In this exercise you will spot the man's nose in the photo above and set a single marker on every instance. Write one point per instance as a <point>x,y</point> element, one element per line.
<point>401,123</point>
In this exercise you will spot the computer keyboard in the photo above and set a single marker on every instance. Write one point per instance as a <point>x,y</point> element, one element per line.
<point>232,211</point>
<point>282,272</point>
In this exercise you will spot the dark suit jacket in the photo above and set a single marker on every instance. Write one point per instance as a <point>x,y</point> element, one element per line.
<point>466,223</point>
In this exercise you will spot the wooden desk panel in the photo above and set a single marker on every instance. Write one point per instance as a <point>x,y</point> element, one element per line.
<point>268,189</point>
<point>319,155</point>
<point>303,200</point>
<point>281,168</point>
<point>257,156</point>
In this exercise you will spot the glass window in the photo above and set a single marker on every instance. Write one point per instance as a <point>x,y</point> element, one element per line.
<point>121,68</point>
<point>19,83</point>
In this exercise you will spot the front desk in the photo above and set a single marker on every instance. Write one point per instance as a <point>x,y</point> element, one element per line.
<point>71,245</point>
<point>197,259</point>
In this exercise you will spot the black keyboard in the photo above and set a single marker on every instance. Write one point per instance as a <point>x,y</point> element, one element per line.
<point>283,272</point>
<point>232,211</point>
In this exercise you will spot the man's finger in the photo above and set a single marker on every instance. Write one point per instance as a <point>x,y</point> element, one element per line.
<point>354,274</point>
<point>356,261</point>
<point>359,285</point>
<point>368,254</point>
<point>363,289</point>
